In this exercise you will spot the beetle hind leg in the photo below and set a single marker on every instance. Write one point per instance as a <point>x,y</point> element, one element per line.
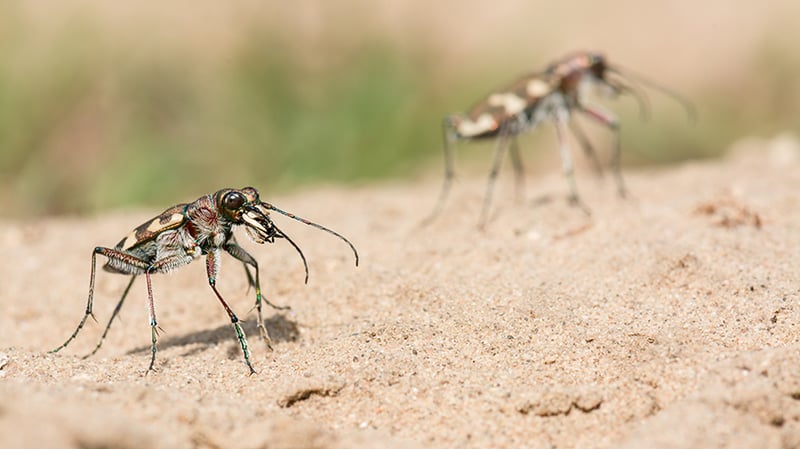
<point>113,316</point>
<point>89,302</point>
<point>120,260</point>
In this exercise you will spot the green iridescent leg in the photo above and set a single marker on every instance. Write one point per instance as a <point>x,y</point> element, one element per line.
<point>240,254</point>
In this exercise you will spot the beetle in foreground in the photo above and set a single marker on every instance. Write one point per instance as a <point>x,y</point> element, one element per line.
<point>182,234</point>
<point>549,95</point>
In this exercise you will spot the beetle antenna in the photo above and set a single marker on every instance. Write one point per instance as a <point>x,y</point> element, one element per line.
<point>299,251</point>
<point>687,105</point>
<point>311,223</point>
<point>631,86</point>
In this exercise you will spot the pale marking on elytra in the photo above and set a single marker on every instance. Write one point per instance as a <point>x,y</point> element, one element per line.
<point>484,123</point>
<point>512,104</point>
<point>158,224</point>
<point>154,226</point>
<point>537,88</point>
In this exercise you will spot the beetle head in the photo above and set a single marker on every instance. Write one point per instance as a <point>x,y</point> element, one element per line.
<point>242,207</point>
<point>595,64</point>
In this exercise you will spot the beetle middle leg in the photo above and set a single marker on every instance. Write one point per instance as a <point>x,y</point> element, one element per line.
<point>519,170</point>
<point>566,163</point>
<point>586,145</point>
<point>151,310</point>
<point>500,150</point>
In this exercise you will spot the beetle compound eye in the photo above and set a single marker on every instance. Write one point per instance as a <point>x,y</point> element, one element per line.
<point>233,200</point>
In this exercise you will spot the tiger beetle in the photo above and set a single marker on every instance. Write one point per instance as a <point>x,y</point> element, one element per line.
<point>182,234</point>
<point>549,95</point>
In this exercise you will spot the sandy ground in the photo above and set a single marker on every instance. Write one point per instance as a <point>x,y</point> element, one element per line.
<point>666,321</point>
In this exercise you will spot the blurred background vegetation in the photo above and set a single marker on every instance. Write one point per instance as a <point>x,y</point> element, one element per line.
<point>112,104</point>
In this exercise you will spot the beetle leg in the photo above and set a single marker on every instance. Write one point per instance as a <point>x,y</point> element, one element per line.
<point>586,145</point>
<point>212,268</point>
<point>519,170</point>
<point>159,266</point>
<point>240,254</point>
<point>566,162</point>
<point>113,315</point>
<point>500,150</point>
<point>448,138</point>
<point>120,259</point>
<point>151,310</point>
<point>611,122</point>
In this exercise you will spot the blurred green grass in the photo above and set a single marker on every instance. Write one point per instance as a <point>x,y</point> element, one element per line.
<point>82,129</point>
<point>89,123</point>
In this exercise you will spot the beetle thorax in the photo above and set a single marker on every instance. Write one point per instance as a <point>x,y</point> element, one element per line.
<point>208,228</point>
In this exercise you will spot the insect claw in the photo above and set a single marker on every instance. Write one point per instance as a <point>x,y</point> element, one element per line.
<point>265,336</point>
<point>575,201</point>
<point>91,314</point>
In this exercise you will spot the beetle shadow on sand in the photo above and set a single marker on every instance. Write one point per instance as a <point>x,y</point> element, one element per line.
<point>280,328</point>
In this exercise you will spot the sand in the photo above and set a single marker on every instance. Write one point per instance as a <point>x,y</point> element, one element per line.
<point>668,320</point>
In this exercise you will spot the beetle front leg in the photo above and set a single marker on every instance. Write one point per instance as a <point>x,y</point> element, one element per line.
<point>212,269</point>
<point>251,283</point>
<point>611,122</point>
<point>240,254</point>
